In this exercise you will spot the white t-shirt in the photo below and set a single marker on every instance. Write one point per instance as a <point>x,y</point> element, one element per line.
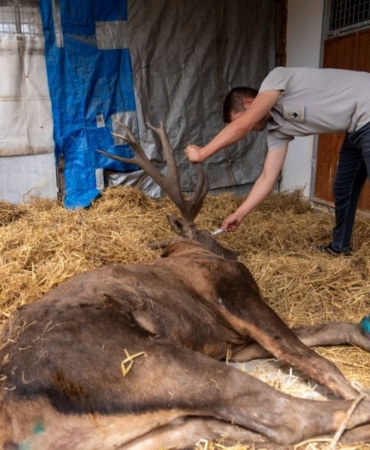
<point>316,101</point>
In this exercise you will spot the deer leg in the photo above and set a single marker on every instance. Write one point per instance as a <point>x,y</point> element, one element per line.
<point>196,385</point>
<point>184,434</point>
<point>357,434</point>
<point>88,409</point>
<point>250,316</point>
<point>332,333</point>
<point>252,351</point>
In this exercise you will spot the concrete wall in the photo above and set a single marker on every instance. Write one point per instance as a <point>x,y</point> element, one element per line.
<point>27,165</point>
<point>23,177</point>
<point>304,37</point>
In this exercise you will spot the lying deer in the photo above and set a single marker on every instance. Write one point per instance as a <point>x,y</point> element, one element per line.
<point>129,357</point>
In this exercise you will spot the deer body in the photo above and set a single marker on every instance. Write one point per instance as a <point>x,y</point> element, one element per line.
<point>128,357</point>
<point>181,314</point>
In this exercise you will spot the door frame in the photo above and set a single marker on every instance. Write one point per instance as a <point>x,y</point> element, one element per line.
<point>327,35</point>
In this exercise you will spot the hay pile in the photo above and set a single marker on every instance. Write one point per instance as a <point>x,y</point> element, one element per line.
<point>42,244</point>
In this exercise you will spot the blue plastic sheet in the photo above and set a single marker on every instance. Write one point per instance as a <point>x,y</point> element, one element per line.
<point>89,86</point>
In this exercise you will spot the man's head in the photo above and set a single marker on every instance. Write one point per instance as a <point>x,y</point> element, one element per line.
<point>237,101</point>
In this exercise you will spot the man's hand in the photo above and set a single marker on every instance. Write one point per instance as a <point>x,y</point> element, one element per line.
<point>194,153</point>
<point>232,222</point>
<point>261,188</point>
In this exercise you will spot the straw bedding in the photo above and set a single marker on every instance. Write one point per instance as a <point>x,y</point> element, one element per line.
<point>42,244</point>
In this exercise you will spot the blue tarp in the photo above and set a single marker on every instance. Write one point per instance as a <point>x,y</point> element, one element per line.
<point>89,86</point>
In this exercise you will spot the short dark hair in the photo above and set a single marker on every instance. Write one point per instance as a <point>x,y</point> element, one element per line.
<point>234,101</point>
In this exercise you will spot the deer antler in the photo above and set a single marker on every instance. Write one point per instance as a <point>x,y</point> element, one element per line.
<point>170,184</point>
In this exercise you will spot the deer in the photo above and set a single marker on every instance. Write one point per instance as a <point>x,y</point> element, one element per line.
<point>133,356</point>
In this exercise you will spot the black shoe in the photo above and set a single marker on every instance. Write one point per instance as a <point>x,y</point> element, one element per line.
<point>329,250</point>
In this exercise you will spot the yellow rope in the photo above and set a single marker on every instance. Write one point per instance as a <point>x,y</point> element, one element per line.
<point>130,360</point>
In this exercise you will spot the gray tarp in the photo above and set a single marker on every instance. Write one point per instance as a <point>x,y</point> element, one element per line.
<point>186,56</point>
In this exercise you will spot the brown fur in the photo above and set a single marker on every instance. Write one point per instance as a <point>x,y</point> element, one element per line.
<point>61,361</point>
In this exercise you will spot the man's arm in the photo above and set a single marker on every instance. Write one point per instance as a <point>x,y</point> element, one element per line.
<point>237,129</point>
<point>273,163</point>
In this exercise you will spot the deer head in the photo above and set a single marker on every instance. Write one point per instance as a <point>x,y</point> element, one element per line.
<point>189,208</point>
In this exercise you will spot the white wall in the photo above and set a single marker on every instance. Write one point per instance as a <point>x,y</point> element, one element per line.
<point>23,177</point>
<point>304,31</point>
<point>27,162</point>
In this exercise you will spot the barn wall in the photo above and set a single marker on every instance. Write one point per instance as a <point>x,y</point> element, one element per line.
<point>27,164</point>
<point>304,37</point>
<point>23,177</point>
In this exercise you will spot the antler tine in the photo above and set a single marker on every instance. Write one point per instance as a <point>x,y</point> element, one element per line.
<point>132,141</point>
<point>200,191</point>
<point>118,158</point>
<point>188,208</point>
<point>173,171</point>
<point>139,158</point>
<point>170,184</point>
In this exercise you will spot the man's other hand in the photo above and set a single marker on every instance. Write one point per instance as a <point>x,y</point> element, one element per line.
<point>232,222</point>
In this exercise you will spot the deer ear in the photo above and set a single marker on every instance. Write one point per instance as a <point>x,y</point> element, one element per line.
<point>178,225</point>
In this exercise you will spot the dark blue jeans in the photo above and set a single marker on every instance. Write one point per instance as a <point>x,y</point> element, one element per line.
<point>352,170</point>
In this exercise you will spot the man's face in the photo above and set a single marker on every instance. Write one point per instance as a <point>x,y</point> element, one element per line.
<point>260,126</point>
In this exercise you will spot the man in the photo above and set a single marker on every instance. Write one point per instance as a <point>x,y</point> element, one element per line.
<point>299,102</point>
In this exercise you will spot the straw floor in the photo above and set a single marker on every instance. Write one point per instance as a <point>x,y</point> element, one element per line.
<point>42,244</point>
